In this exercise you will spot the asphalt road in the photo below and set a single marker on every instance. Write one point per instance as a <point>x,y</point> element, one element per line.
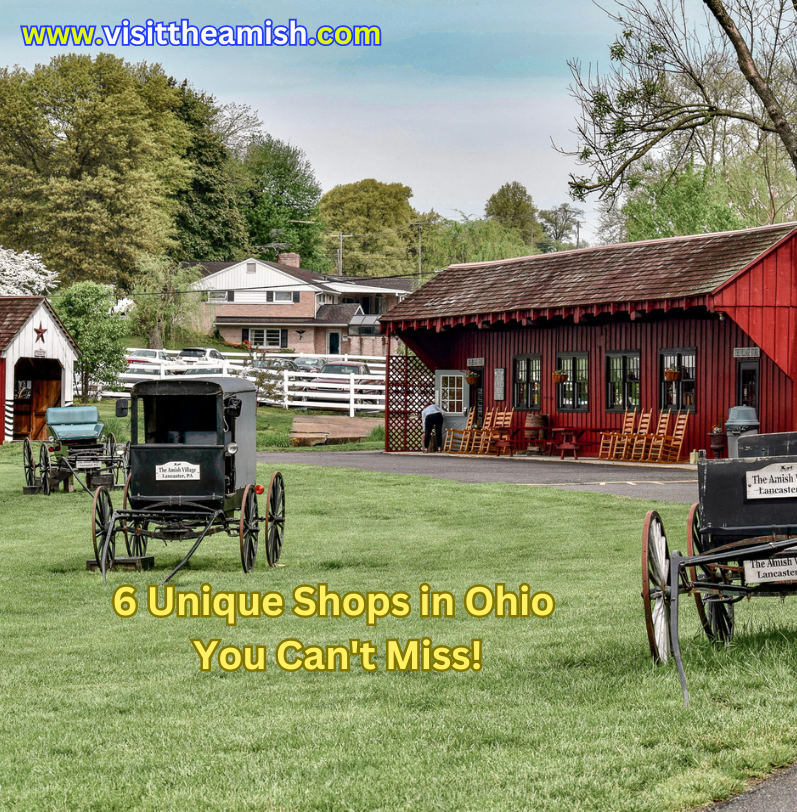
<point>776,794</point>
<point>667,484</point>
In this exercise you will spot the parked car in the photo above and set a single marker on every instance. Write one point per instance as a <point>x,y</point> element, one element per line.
<point>223,368</point>
<point>309,363</point>
<point>270,365</point>
<point>147,371</point>
<point>136,355</point>
<point>322,388</point>
<point>200,355</point>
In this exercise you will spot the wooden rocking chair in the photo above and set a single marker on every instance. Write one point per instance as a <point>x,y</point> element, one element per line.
<point>641,437</point>
<point>673,443</point>
<point>502,422</point>
<point>621,441</point>
<point>657,439</point>
<point>481,435</point>
<point>458,441</point>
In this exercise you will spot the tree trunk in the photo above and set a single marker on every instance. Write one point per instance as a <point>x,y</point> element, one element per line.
<point>750,72</point>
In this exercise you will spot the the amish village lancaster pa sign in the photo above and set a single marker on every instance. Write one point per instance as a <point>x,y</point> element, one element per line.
<point>177,470</point>
<point>777,481</point>
<point>770,569</point>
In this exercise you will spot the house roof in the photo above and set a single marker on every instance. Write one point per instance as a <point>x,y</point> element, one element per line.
<point>684,270</point>
<point>404,283</point>
<point>338,315</point>
<point>16,310</point>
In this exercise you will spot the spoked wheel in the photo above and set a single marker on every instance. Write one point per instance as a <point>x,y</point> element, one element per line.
<point>45,471</point>
<point>249,528</point>
<point>135,534</point>
<point>110,444</point>
<point>715,613</point>
<point>275,519</point>
<point>27,461</point>
<point>655,571</point>
<point>100,521</point>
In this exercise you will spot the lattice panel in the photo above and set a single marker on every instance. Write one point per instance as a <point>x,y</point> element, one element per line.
<point>410,389</point>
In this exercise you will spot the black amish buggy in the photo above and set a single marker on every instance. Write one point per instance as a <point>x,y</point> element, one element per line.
<point>78,447</point>
<point>741,542</point>
<point>192,473</point>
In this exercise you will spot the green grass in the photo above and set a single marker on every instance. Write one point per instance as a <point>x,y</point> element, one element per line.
<point>567,714</point>
<point>273,430</point>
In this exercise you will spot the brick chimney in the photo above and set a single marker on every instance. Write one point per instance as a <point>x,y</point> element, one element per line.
<point>293,260</point>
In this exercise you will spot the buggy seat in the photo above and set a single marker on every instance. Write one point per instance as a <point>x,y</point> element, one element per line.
<point>75,423</point>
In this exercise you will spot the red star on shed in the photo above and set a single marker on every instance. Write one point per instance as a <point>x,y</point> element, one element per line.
<point>40,331</point>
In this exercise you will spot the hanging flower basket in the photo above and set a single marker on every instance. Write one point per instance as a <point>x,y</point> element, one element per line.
<point>672,374</point>
<point>559,377</point>
<point>472,379</point>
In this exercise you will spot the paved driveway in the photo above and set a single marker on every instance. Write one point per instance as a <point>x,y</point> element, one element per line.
<point>668,484</point>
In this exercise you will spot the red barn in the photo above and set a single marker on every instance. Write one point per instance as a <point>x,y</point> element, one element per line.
<point>721,308</point>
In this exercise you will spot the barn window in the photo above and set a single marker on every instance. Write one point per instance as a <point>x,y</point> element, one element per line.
<point>622,381</point>
<point>527,382</point>
<point>451,393</point>
<point>677,378</point>
<point>573,394</point>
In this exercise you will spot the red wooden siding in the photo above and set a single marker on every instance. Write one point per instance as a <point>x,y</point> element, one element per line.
<point>714,341</point>
<point>3,401</point>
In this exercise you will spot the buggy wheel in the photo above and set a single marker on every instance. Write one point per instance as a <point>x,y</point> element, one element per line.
<point>110,444</point>
<point>715,613</point>
<point>101,515</point>
<point>655,571</point>
<point>45,470</point>
<point>275,518</point>
<point>27,461</point>
<point>135,536</point>
<point>249,528</point>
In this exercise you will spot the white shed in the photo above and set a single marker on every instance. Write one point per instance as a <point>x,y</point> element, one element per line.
<point>37,366</point>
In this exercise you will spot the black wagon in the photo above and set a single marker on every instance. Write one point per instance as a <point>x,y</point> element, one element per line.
<point>192,473</point>
<point>741,542</point>
<point>78,449</point>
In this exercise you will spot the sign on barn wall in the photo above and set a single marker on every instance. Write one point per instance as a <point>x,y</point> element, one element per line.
<point>746,352</point>
<point>499,384</point>
<point>475,362</point>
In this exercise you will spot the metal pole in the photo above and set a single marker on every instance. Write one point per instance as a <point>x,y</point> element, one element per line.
<point>419,254</point>
<point>532,228</point>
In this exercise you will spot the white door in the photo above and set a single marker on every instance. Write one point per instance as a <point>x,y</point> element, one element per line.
<point>452,395</point>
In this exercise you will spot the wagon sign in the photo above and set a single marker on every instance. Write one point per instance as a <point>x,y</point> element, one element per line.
<point>773,482</point>
<point>177,470</point>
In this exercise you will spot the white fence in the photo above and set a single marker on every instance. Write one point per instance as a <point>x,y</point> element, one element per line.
<point>312,390</point>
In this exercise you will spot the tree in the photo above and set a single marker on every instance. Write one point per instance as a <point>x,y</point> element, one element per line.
<point>24,274</point>
<point>165,299</point>
<point>376,217</point>
<point>86,309</point>
<point>469,240</point>
<point>561,225</point>
<point>673,205</point>
<point>513,207</point>
<point>208,220</point>
<point>90,162</point>
<point>670,80</point>
<point>283,200</point>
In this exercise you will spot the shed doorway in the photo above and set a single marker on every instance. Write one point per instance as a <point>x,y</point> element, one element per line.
<point>37,387</point>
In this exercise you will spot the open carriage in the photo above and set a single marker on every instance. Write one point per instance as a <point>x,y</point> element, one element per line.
<point>741,542</point>
<point>78,449</point>
<point>192,473</point>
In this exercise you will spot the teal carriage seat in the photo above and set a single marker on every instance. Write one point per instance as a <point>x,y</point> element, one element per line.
<point>74,423</point>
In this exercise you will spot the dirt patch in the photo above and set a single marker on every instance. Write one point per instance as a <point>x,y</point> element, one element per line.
<point>331,430</point>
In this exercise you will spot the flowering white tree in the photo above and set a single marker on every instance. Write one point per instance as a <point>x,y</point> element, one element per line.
<point>24,274</point>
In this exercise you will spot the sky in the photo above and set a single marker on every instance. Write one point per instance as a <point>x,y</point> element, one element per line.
<point>460,97</point>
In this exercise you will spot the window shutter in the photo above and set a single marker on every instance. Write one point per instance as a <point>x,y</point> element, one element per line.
<point>245,334</point>
<point>269,295</point>
<point>296,297</point>
<point>230,295</point>
<point>283,339</point>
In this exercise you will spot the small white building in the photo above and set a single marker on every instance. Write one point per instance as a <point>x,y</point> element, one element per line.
<point>37,366</point>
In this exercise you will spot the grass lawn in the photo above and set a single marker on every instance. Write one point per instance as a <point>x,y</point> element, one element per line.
<point>273,430</point>
<point>566,714</point>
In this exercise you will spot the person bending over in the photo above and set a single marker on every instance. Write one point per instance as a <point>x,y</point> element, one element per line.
<point>432,417</point>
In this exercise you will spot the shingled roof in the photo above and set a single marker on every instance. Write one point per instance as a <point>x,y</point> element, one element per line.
<point>679,270</point>
<point>16,310</point>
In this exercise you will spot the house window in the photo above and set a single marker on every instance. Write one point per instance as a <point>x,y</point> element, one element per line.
<point>527,382</point>
<point>451,393</point>
<point>677,372</point>
<point>622,381</point>
<point>265,337</point>
<point>217,296</point>
<point>251,267</point>
<point>380,304</point>
<point>573,394</point>
<point>283,296</point>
